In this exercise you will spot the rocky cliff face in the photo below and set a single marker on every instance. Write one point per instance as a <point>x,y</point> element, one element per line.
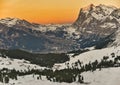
<point>96,24</point>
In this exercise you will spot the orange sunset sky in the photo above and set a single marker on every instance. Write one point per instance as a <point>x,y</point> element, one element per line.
<point>47,11</point>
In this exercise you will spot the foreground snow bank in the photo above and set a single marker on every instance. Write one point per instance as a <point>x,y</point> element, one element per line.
<point>108,76</point>
<point>30,80</point>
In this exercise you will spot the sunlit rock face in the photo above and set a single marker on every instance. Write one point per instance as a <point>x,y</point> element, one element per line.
<point>97,24</point>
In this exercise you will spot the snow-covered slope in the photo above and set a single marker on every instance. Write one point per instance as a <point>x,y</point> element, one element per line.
<point>116,39</point>
<point>109,76</point>
<point>9,21</point>
<point>17,64</point>
<point>90,56</point>
<point>30,80</point>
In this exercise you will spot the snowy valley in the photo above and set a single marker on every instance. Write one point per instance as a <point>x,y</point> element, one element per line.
<point>96,67</point>
<point>86,52</point>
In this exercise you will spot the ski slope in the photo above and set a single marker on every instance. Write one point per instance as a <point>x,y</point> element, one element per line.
<point>90,56</point>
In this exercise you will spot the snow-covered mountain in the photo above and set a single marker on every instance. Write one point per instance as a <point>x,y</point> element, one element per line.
<point>21,34</point>
<point>10,22</point>
<point>96,27</point>
<point>97,24</point>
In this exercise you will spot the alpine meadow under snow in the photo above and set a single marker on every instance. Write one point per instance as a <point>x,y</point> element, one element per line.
<point>86,52</point>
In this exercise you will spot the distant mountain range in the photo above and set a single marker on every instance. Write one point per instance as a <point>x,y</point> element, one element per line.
<point>96,26</point>
<point>20,34</point>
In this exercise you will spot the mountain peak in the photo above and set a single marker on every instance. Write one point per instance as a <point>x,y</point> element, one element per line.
<point>88,7</point>
<point>12,21</point>
<point>109,6</point>
<point>9,21</point>
<point>94,13</point>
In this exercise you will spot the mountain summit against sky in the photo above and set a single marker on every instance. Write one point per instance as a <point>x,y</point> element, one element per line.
<point>84,52</point>
<point>96,26</point>
<point>97,23</point>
